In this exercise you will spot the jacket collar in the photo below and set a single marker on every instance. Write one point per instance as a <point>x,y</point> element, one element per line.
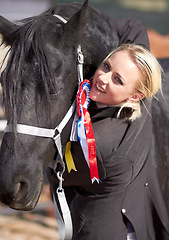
<point>98,114</point>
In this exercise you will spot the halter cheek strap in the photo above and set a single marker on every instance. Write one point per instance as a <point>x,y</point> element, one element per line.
<point>80,56</point>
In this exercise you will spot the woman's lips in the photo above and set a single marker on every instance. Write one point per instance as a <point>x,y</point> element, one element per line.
<point>100,88</point>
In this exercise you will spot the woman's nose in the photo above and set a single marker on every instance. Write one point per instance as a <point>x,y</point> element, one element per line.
<point>104,78</point>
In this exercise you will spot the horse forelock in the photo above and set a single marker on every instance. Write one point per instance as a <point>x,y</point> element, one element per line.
<point>28,47</point>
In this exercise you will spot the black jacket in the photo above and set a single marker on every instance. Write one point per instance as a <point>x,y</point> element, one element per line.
<point>129,188</point>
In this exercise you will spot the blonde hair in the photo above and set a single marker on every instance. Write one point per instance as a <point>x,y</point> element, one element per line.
<point>150,78</point>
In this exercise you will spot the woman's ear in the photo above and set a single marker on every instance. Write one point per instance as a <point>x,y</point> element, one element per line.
<point>136,97</point>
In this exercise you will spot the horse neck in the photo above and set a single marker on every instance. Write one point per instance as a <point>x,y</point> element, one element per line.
<point>102,40</point>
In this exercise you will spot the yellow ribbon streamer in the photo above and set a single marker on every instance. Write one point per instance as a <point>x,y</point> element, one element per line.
<point>69,159</point>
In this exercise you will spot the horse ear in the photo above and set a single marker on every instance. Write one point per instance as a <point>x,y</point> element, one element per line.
<point>6,27</point>
<point>78,20</point>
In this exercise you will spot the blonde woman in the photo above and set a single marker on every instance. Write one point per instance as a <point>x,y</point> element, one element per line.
<point>127,203</point>
<point>129,74</point>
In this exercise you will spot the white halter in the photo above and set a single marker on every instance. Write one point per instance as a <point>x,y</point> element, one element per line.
<point>51,133</point>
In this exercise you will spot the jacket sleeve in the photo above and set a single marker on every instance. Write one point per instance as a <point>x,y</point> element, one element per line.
<point>131,31</point>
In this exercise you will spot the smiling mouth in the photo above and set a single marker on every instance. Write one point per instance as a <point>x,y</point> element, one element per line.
<point>99,88</point>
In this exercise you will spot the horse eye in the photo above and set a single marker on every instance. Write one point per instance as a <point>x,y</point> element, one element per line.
<point>35,65</point>
<point>53,96</point>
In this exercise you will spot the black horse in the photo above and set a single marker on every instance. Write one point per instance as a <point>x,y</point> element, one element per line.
<point>39,85</point>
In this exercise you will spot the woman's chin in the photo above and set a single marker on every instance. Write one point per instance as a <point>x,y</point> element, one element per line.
<point>93,95</point>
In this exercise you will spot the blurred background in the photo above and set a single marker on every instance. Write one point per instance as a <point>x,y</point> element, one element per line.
<point>40,224</point>
<point>153,13</point>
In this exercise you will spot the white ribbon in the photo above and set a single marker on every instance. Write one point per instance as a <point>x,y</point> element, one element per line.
<point>83,139</point>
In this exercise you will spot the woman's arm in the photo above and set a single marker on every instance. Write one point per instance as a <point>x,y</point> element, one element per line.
<point>131,31</point>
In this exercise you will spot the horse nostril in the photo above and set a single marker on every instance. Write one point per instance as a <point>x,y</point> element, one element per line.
<point>21,190</point>
<point>23,185</point>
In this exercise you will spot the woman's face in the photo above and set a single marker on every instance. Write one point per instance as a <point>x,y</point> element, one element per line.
<point>115,80</point>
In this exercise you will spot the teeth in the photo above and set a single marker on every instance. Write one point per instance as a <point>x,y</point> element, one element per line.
<point>99,88</point>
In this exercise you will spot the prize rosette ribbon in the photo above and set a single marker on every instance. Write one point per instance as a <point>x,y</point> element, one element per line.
<point>85,130</point>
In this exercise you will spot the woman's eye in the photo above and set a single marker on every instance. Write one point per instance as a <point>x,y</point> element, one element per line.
<point>106,66</point>
<point>118,80</point>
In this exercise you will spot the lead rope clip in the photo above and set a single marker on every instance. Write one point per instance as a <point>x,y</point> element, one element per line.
<point>64,208</point>
<point>59,176</point>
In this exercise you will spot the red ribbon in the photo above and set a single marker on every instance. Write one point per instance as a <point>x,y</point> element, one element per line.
<point>82,110</point>
<point>91,146</point>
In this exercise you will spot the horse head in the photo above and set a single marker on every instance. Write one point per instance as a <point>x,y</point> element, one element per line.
<point>39,84</point>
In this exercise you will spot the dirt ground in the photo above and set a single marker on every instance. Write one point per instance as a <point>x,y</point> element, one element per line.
<point>34,227</point>
<point>39,224</point>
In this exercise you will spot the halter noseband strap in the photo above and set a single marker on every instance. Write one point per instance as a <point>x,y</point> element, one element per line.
<point>45,132</point>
